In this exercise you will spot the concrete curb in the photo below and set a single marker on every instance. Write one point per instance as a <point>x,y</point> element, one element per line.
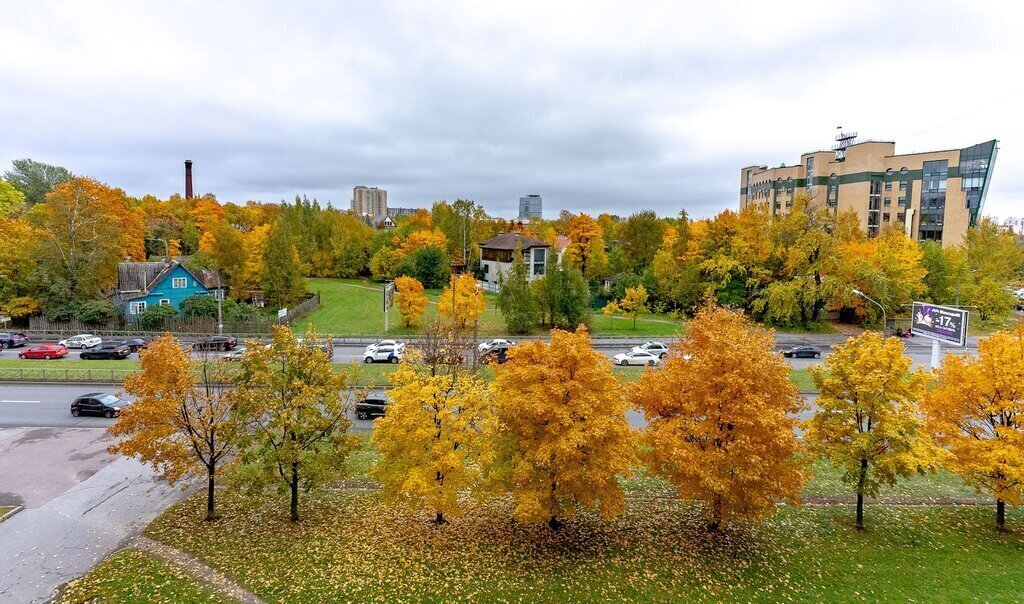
<point>16,509</point>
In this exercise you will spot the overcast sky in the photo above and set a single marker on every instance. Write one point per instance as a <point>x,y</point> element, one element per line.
<point>598,106</point>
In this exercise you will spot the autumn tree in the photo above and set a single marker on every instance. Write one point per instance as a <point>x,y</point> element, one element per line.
<point>516,301</point>
<point>281,279</point>
<point>976,412</point>
<point>561,438</point>
<point>411,301</point>
<point>720,425</point>
<point>296,411</point>
<point>634,303</point>
<point>35,179</point>
<point>640,237</point>
<point>182,421</point>
<point>226,250</point>
<point>431,439</point>
<point>867,423</point>
<point>563,295</point>
<point>467,302</point>
<point>12,201</point>
<point>586,246</point>
<point>19,269</point>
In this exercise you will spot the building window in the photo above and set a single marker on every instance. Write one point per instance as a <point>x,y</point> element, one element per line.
<point>885,216</point>
<point>902,217</point>
<point>179,282</point>
<point>136,308</point>
<point>903,185</point>
<point>933,200</point>
<point>902,202</point>
<point>888,172</point>
<point>810,172</point>
<point>888,185</point>
<point>165,302</point>
<point>887,202</point>
<point>539,260</point>
<point>904,170</point>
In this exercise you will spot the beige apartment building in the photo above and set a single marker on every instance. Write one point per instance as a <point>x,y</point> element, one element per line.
<point>935,195</point>
<point>370,201</point>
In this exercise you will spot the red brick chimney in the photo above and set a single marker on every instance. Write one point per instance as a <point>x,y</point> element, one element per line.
<point>188,179</point>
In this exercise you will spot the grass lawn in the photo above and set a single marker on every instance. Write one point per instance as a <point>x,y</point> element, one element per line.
<point>130,575</point>
<point>4,509</point>
<point>353,307</point>
<point>66,370</point>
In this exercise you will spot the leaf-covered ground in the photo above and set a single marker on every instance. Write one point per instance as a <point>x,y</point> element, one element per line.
<point>130,576</point>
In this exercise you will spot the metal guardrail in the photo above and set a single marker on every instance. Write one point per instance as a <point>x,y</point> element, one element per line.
<point>64,374</point>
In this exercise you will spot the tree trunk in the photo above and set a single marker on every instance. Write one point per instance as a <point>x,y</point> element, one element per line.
<point>295,491</point>
<point>1000,515</point>
<point>209,494</point>
<point>555,524</point>
<point>439,519</point>
<point>860,493</point>
<point>716,515</point>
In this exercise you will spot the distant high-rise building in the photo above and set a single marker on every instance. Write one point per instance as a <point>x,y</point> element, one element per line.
<point>531,206</point>
<point>369,200</point>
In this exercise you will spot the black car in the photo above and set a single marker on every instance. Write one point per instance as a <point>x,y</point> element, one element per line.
<point>106,350</point>
<point>11,340</point>
<point>222,343</point>
<point>98,403</point>
<point>134,344</point>
<point>371,407</point>
<point>807,352</point>
<point>497,354</point>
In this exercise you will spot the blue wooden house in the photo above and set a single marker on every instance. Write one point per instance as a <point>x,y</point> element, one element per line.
<point>144,284</point>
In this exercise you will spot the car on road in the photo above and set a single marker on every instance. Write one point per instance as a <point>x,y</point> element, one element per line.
<point>370,407</point>
<point>44,351</point>
<point>384,354</point>
<point>82,340</point>
<point>802,352</point>
<point>487,346</point>
<point>496,355</point>
<point>658,349</point>
<point>11,340</point>
<point>637,357</point>
<point>323,345</point>
<point>222,343</point>
<point>384,344</point>
<point>234,355</point>
<point>106,351</point>
<point>98,403</point>
<point>134,344</point>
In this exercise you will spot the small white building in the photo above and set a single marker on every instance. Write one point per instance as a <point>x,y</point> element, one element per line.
<point>497,253</point>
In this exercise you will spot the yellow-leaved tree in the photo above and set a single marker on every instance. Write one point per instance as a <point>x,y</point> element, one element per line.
<point>468,301</point>
<point>720,424</point>
<point>561,438</point>
<point>867,423</point>
<point>295,407</point>
<point>430,439</point>
<point>977,413</point>
<point>182,421</point>
<point>411,301</point>
<point>634,303</point>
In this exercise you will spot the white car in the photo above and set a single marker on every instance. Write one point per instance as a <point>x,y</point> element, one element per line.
<point>635,357</point>
<point>384,344</point>
<point>83,340</point>
<point>384,354</point>
<point>486,346</point>
<point>656,348</point>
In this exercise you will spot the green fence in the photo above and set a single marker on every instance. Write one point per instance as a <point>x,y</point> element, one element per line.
<point>48,374</point>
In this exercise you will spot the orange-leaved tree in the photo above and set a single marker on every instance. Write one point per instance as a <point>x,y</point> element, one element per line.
<point>431,439</point>
<point>182,421</point>
<point>468,301</point>
<point>867,423</point>
<point>720,424</point>
<point>561,438</point>
<point>977,413</point>
<point>411,301</point>
<point>296,409</point>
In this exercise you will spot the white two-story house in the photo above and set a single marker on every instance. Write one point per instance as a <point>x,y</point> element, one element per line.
<point>496,256</point>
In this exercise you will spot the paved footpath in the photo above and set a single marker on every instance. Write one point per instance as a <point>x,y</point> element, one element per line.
<point>42,548</point>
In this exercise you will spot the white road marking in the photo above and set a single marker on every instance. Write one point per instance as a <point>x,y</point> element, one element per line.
<point>13,401</point>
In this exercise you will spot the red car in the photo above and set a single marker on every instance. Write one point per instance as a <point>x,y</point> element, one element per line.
<point>44,351</point>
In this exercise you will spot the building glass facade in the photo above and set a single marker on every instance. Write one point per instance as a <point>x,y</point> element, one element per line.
<point>933,199</point>
<point>974,165</point>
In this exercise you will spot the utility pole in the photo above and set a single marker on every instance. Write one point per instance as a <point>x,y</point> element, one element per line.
<point>866,297</point>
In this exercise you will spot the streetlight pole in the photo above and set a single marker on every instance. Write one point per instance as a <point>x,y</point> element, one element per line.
<point>220,298</point>
<point>869,299</point>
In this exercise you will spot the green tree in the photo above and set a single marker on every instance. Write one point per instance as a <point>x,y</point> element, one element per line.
<point>515,299</point>
<point>565,296</point>
<point>282,280</point>
<point>297,416</point>
<point>428,265</point>
<point>12,201</point>
<point>198,306</point>
<point>35,179</point>
<point>641,237</point>
<point>154,318</point>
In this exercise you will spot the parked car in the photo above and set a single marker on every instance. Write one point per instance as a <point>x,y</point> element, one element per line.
<point>134,344</point>
<point>82,340</point>
<point>224,343</point>
<point>98,403</point>
<point>323,345</point>
<point>371,407</point>
<point>496,354</point>
<point>658,349</point>
<point>384,354</point>
<point>385,344</point>
<point>11,340</point>
<point>234,355</point>
<point>806,352</point>
<point>106,351</point>
<point>637,357</point>
<point>487,346</point>
<point>44,351</point>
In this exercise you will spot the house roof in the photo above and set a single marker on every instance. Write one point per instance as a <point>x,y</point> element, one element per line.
<point>509,241</point>
<point>136,279</point>
<point>210,277</point>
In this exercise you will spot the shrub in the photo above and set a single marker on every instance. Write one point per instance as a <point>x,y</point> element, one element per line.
<point>154,317</point>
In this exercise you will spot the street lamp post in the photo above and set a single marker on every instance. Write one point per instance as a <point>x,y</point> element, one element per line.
<point>869,299</point>
<point>220,298</point>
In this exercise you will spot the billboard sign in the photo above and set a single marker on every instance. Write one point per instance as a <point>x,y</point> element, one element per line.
<point>940,323</point>
<point>389,295</point>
